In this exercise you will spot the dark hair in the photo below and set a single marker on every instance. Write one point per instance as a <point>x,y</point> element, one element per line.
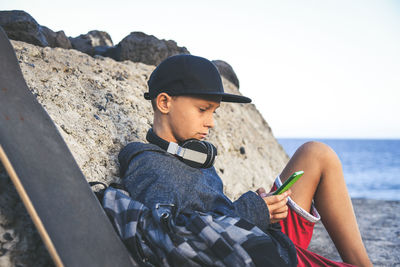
<point>153,103</point>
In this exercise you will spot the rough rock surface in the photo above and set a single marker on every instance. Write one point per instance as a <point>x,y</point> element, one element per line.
<point>56,39</point>
<point>21,26</point>
<point>20,243</point>
<point>94,42</point>
<point>227,71</point>
<point>98,107</point>
<point>148,49</point>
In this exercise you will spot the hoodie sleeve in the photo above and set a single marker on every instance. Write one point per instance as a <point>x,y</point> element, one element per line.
<point>252,207</point>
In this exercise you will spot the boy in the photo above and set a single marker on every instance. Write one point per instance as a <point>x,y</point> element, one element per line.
<point>185,91</point>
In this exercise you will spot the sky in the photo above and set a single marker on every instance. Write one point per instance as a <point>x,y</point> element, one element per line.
<point>314,69</point>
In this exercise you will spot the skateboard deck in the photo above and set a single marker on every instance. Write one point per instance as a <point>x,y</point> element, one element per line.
<point>67,214</point>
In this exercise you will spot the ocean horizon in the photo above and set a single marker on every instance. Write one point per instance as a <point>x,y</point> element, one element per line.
<point>371,166</point>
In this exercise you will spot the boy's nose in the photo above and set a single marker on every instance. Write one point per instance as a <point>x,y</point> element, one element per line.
<point>209,122</point>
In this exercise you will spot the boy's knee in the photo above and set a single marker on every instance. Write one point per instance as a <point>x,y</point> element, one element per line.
<point>318,150</point>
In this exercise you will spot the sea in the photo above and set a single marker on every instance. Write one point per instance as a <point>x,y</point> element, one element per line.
<point>371,167</point>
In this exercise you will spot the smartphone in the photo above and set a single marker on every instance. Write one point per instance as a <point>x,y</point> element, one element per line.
<point>289,182</point>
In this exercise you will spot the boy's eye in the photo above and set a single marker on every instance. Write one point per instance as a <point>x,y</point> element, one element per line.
<point>202,109</point>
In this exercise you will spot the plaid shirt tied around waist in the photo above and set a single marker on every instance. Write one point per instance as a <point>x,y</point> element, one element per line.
<point>159,237</point>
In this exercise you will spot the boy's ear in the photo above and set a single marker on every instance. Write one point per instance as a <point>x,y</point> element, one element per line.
<point>163,102</point>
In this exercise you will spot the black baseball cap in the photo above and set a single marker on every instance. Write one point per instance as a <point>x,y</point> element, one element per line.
<point>189,75</point>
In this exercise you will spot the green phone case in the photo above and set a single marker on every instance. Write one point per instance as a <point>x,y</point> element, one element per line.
<point>289,182</point>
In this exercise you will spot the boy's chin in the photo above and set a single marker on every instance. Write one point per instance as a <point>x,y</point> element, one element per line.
<point>202,136</point>
<point>199,137</point>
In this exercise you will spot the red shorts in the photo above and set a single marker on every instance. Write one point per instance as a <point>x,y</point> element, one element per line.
<point>299,226</point>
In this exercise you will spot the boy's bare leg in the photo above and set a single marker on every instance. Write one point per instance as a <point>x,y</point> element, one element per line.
<point>323,181</point>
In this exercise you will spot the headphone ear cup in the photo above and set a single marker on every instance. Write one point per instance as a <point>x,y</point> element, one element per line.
<point>211,154</point>
<point>196,145</point>
<point>203,147</point>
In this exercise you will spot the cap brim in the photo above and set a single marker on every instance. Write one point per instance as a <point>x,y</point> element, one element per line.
<point>224,96</point>
<point>235,98</point>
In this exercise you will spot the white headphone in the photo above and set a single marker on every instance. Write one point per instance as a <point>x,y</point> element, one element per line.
<point>193,152</point>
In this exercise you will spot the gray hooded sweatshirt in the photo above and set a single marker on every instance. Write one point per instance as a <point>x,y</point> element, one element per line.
<point>151,175</point>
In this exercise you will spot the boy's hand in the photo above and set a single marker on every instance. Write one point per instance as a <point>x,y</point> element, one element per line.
<point>277,207</point>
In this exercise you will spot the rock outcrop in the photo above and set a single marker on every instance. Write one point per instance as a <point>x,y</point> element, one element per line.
<point>136,47</point>
<point>56,39</point>
<point>227,71</point>
<point>21,26</point>
<point>98,107</point>
<point>140,47</point>
<point>92,43</point>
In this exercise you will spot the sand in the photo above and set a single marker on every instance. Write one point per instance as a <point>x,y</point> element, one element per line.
<point>379,223</point>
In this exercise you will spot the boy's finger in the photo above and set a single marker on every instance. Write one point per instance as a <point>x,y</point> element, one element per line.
<point>276,205</point>
<point>279,216</point>
<point>280,210</point>
<point>276,198</point>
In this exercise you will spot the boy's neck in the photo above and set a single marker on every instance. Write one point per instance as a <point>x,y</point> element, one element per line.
<point>164,132</point>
